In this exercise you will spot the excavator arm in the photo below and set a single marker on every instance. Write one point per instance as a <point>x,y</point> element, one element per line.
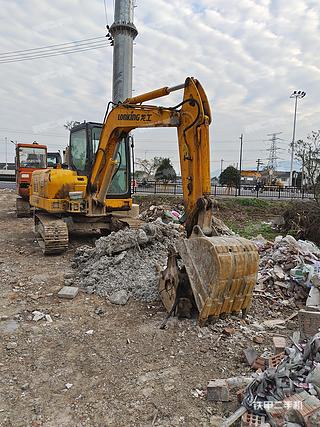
<point>191,117</point>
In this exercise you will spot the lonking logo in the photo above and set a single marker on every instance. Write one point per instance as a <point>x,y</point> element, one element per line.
<point>135,117</point>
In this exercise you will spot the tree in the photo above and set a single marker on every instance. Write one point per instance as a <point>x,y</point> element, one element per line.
<point>71,124</point>
<point>308,154</point>
<point>230,177</point>
<point>148,167</point>
<point>165,171</point>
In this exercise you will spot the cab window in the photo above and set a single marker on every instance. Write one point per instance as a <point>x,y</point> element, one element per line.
<point>119,183</point>
<point>78,148</point>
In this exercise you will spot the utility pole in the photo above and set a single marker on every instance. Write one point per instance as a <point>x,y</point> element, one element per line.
<point>221,166</point>
<point>6,142</point>
<point>302,171</point>
<point>296,94</point>
<point>123,32</point>
<point>240,161</point>
<point>259,163</point>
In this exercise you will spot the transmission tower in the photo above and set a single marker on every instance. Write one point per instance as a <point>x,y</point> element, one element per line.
<point>273,151</point>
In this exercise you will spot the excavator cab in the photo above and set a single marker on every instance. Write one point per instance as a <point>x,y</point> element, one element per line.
<point>84,142</point>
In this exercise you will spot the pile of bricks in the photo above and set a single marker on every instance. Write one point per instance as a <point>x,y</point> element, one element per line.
<point>286,391</point>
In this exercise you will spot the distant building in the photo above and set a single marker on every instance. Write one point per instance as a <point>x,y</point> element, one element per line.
<point>283,177</point>
<point>250,177</point>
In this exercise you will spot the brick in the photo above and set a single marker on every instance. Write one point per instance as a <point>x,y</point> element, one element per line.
<point>279,344</point>
<point>218,391</point>
<point>276,359</point>
<point>259,364</point>
<point>250,420</point>
<point>68,292</point>
<point>309,322</point>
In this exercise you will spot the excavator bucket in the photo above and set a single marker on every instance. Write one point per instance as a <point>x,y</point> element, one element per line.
<point>222,272</point>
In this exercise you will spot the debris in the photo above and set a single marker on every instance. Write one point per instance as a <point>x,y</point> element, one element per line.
<point>68,386</point>
<point>279,344</point>
<point>120,297</point>
<point>272,323</point>
<point>234,417</point>
<point>287,268</point>
<point>89,332</point>
<point>38,315</point>
<point>11,345</point>
<point>216,421</point>
<point>48,318</point>
<point>68,292</point>
<point>198,393</point>
<point>288,389</point>
<point>250,355</point>
<point>228,331</point>
<point>313,299</point>
<point>127,254</point>
<point>251,420</point>
<point>238,382</point>
<point>257,339</point>
<point>218,390</point>
<point>309,322</point>
<point>25,387</point>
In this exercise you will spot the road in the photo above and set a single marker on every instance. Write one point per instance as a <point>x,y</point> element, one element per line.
<point>7,184</point>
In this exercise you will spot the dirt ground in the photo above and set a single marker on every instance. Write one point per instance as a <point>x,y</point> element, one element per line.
<point>125,371</point>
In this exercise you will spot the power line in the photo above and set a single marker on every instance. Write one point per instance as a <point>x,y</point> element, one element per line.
<point>56,54</point>
<point>53,50</point>
<point>51,46</point>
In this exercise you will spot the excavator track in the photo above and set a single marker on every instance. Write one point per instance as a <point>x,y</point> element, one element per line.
<point>51,234</point>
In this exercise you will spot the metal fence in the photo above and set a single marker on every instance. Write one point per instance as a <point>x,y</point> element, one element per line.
<point>154,187</point>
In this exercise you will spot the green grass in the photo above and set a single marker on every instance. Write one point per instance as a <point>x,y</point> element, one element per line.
<point>252,229</point>
<point>259,203</point>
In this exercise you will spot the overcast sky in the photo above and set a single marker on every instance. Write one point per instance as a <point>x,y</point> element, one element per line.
<point>248,54</point>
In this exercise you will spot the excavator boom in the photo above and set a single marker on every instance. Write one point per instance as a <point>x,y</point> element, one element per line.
<point>191,118</point>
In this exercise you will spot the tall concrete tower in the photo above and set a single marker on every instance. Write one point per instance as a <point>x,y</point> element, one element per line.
<point>123,32</point>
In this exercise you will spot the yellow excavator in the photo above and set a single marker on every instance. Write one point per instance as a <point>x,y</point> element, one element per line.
<point>218,272</point>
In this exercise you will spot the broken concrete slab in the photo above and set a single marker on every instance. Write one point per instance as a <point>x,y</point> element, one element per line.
<point>218,391</point>
<point>68,292</point>
<point>250,355</point>
<point>120,297</point>
<point>37,315</point>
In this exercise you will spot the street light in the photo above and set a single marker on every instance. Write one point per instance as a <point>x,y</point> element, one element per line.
<point>297,95</point>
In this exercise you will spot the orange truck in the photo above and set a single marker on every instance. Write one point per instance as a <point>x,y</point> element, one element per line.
<point>29,157</point>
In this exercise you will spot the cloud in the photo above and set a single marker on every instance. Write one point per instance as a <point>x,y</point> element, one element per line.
<point>248,54</point>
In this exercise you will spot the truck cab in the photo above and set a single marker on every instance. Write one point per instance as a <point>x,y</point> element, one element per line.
<point>29,157</point>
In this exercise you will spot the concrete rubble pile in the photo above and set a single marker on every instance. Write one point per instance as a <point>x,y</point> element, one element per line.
<point>288,394</point>
<point>289,269</point>
<point>165,212</point>
<point>126,263</point>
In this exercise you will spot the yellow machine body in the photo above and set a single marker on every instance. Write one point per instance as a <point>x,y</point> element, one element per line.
<point>53,190</point>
